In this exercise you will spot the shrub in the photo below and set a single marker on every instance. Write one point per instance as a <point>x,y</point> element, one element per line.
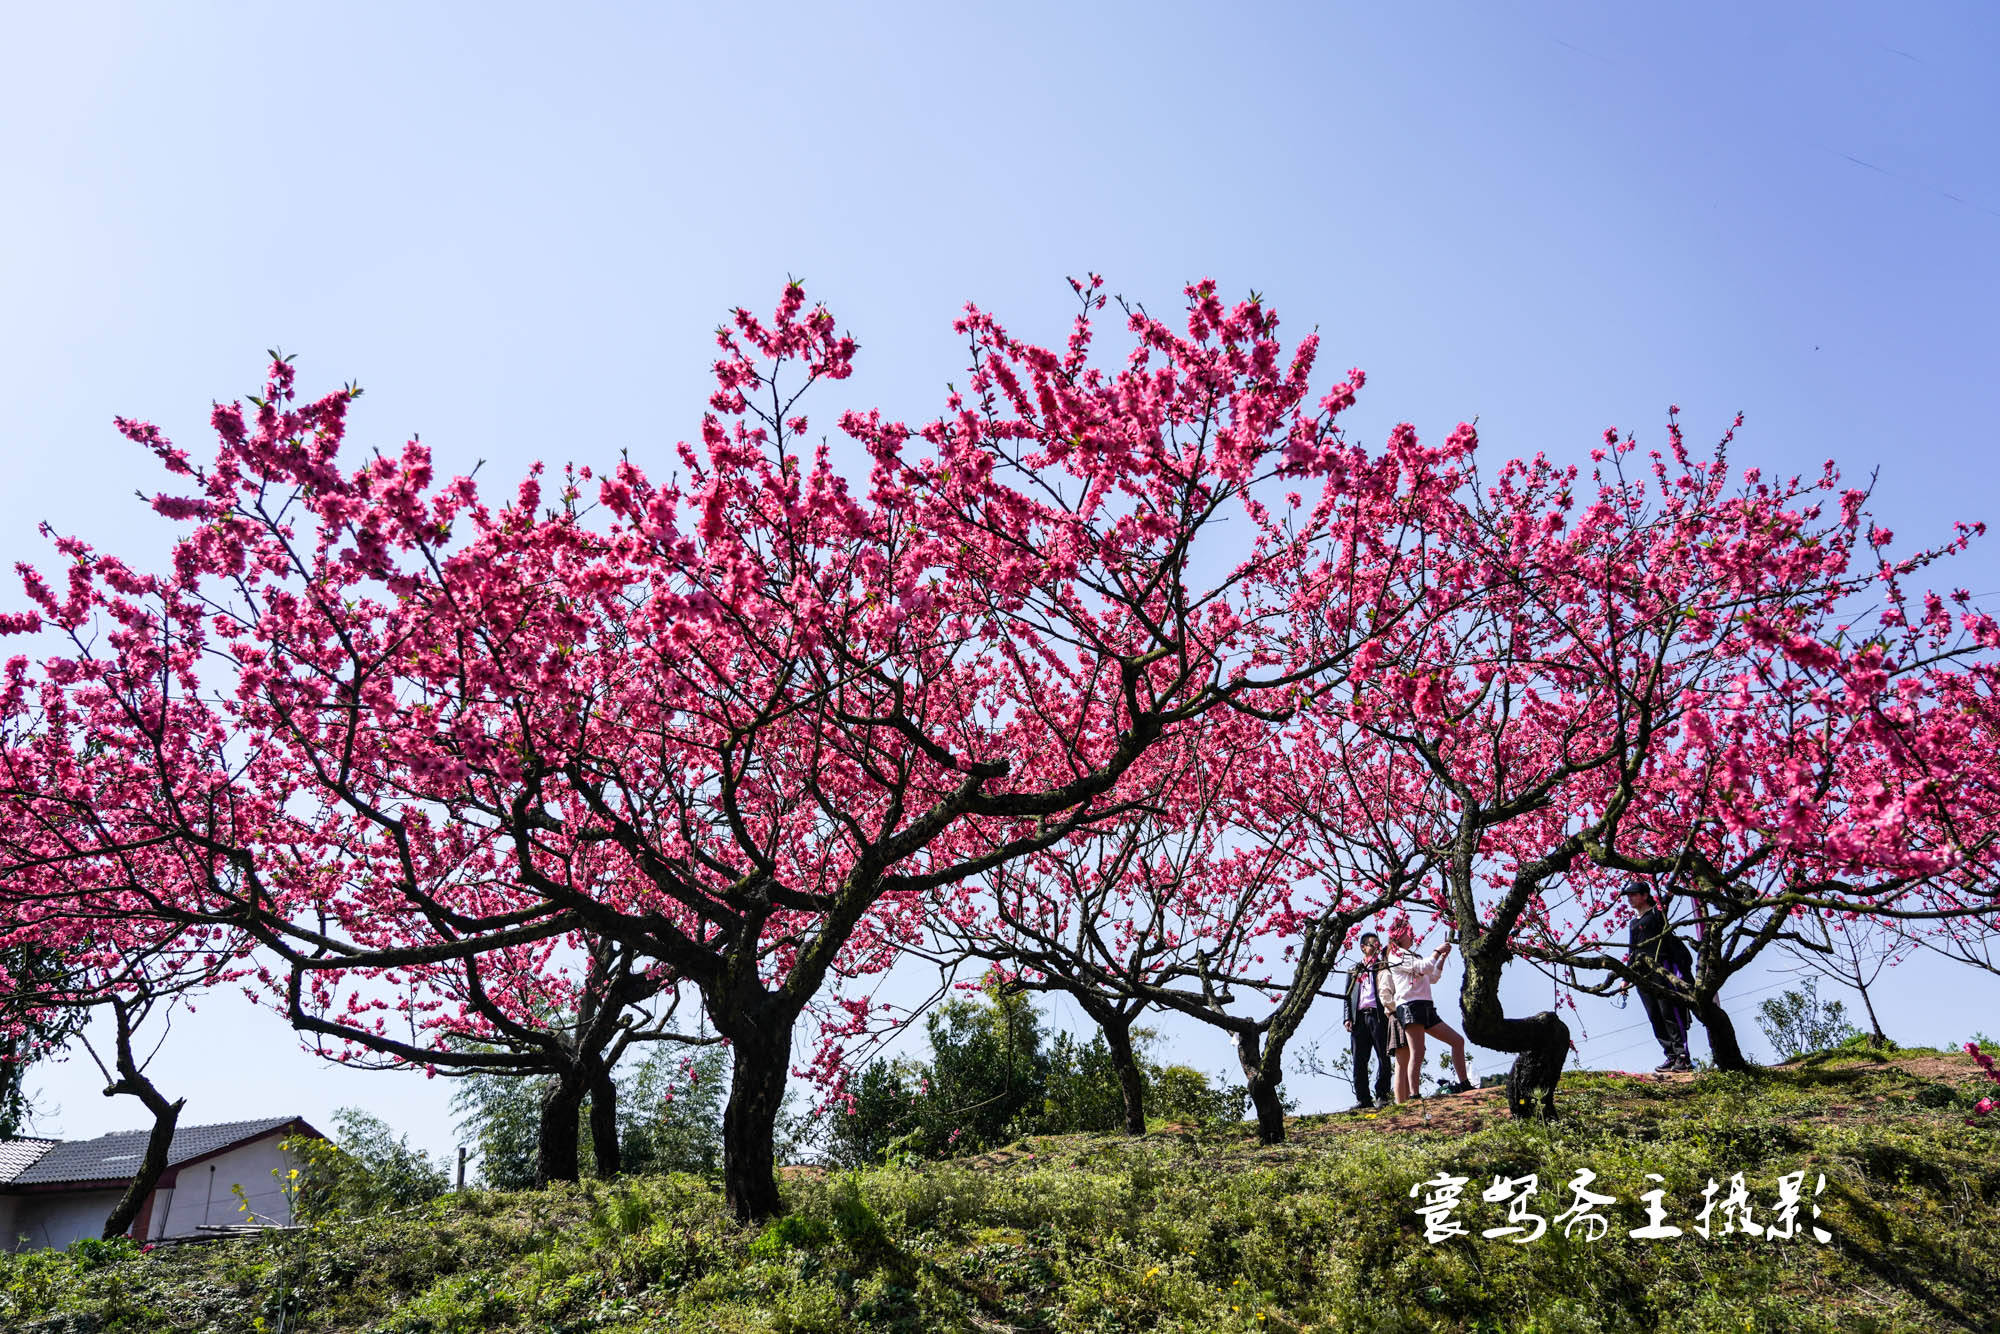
<point>882,1109</point>
<point>367,1169</point>
<point>1082,1089</point>
<point>400,1175</point>
<point>88,1253</point>
<point>503,1114</point>
<point>1182,1093</point>
<point>987,1069</point>
<point>669,1118</point>
<point>1798,1023</point>
<point>793,1232</point>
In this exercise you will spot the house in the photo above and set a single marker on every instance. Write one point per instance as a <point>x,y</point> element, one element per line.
<point>53,1192</point>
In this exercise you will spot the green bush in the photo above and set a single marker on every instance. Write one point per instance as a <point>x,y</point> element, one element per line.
<point>987,1073</point>
<point>880,1113</point>
<point>793,1232</point>
<point>1082,1092</point>
<point>1182,1093</point>
<point>670,1112</point>
<point>1798,1023</point>
<point>367,1168</point>
<point>87,1253</point>
<point>669,1117</point>
<point>990,1081</point>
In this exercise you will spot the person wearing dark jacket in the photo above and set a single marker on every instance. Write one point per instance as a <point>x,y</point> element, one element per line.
<point>1368,1021</point>
<point>1651,940</point>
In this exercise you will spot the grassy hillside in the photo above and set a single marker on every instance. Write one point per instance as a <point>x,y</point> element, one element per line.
<point>1183,1230</point>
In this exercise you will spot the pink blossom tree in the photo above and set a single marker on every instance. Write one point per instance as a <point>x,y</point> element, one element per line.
<point>1663,677</point>
<point>1228,901</point>
<point>569,1009</point>
<point>76,949</point>
<point>742,721</point>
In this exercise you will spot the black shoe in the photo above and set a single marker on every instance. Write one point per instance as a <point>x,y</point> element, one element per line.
<point>1666,1067</point>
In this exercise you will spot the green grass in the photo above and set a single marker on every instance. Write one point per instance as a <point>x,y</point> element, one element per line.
<point>1180,1231</point>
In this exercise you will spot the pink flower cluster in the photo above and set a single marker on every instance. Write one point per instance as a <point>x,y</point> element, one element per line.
<point>1985,1106</point>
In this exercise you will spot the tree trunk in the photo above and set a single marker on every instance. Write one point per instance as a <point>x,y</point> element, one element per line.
<point>1263,1087</point>
<point>557,1145</point>
<point>1540,1042</point>
<point>1876,1037</point>
<point>166,1115</point>
<point>1131,1083</point>
<point>761,1054</point>
<point>1722,1045</point>
<point>604,1124</point>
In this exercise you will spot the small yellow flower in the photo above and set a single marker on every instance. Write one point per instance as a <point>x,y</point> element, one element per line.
<point>293,1174</point>
<point>1154,1270</point>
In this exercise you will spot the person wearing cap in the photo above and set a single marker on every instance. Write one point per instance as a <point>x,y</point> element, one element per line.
<point>1368,1002</point>
<point>1413,974</point>
<point>1652,941</point>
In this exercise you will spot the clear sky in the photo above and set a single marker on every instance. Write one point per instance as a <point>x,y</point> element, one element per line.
<point>518,225</point>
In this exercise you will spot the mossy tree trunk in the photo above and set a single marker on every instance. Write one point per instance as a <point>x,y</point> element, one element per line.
<point>1262,1078</point>
<point>1723,1048</point>
<point>604,1146</point>
<point>1131,1079</point>
<point>559,1136</point>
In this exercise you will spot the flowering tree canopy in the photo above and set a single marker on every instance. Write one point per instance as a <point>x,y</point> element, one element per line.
<point>451,765</point>
<point>1668,683</point>
<point>744,720</point>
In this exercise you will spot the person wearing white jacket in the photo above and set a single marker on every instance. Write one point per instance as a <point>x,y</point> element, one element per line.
<point>1413,974</point>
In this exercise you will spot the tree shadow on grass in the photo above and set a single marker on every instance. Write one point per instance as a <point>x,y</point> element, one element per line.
<point>1879,1255</point>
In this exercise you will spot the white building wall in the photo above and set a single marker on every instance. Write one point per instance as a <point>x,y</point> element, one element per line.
<point>202,1194</point>
<point>57,1219</point>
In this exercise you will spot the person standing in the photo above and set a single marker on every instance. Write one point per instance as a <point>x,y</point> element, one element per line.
<point>1414,974</point>
<point>1368,1022</point>
<point>1652,941</point>
<point>1399,1037</point>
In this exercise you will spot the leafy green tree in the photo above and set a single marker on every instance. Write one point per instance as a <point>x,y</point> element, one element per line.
<point>1083,1093</point>
<point>1798,1023</point>
<point>670,1111</point>
<point>366,1169</point>
<point>669,1118</point>
<point>991,1079</point>
<point>28,1033</point>
<point>987,1070</point>
<point>399,1174</point>
<point>502,1116</point>
<point>882,1112</point>
<point>1183,1093</point>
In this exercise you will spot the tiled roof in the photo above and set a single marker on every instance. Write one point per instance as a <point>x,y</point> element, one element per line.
<point>19,1154</point>
<point>115,1157</point>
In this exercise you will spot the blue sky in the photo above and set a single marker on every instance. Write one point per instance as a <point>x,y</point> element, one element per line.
<point>517,226</point>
